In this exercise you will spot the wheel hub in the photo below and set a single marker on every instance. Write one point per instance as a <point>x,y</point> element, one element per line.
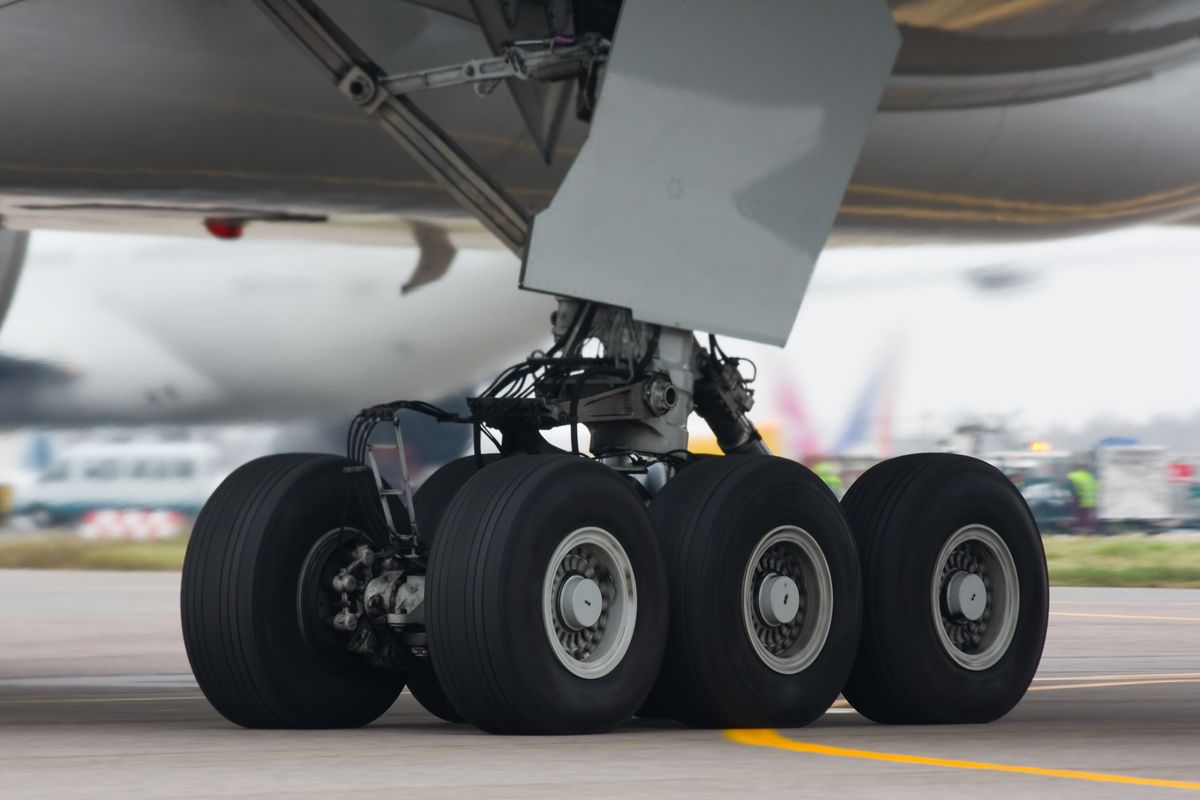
<point>787,599</point>
<point>580,602</point>
<point>975,597</point>
<point>778,600</point>
<point>966,596</point>
<point>589,602</point>
<point>327,598</point>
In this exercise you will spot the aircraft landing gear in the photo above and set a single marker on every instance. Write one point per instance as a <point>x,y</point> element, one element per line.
<point>537,591</point>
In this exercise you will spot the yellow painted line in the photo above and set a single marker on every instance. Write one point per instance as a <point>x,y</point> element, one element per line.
<point>1102,684</point>
<point>1015,204</point>
<point>1097,615</point>
<point>772,739</point>
<point>1129,677</point>
<point>60,700</point>
<point>972,215</point>
<point>966,16</point>
<point>999,12</point>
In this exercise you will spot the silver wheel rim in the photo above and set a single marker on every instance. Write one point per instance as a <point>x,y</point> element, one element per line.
<point>975,556</point>
<point>789,553</point>
<point>595,556</point>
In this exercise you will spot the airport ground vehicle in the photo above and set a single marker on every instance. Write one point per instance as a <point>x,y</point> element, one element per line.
<point>1041,477</point>
<point>1141,487</point>
<point>1185,488</point>
<point>175,476</point>
<point>698,202</point>
<point>1134,485</point>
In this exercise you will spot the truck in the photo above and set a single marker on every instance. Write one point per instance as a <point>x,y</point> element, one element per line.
<point>1133,484</point>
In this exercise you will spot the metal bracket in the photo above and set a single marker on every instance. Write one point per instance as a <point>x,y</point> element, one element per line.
<point>404,492</point>
<point>359,79</point>
<point>558,59</point>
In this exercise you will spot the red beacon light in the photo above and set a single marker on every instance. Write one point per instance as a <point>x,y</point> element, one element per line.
<point>223,228</point>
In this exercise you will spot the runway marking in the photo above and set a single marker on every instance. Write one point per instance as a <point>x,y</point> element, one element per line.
<point>143,589</point>
<point>1103,684</point>
<point>1098,615</point>
<point>1132,676</point>
<point>1127,603</point>
<point>773,739</point>
<point>58,700</point>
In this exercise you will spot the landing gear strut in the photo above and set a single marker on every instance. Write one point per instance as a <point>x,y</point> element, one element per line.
<point>535,590</point>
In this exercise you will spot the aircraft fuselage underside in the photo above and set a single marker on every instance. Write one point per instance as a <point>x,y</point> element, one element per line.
<point>1000,121</point>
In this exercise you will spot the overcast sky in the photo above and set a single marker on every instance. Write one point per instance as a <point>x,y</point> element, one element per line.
<point>1103,326</point>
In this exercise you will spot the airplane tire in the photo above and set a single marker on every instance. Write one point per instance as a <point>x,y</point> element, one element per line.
<point>434,495</point>
<point>955,591</point>
<point>430,502</point>
<point>428,691</point>
<point>765,594</point>
<point>546,597</point>
<point>240,600</point>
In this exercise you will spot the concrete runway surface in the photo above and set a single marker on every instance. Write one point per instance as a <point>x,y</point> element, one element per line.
<point>96,701</point>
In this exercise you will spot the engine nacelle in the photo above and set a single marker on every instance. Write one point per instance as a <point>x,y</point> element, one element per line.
<point>13,245</point>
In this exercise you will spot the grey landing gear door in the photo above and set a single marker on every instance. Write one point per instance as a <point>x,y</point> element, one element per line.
<point>722,143</point>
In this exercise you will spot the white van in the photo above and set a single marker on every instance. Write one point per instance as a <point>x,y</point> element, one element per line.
<point>177,476</point>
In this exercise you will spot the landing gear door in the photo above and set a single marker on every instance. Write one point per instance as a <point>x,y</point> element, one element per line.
<point>541,104</point>
<point>722,143</point>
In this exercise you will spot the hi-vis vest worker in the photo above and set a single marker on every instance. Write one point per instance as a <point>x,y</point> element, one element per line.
<point>829,473</point>
<point>1084,484</point>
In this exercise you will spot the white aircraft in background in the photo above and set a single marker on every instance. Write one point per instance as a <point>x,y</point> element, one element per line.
<point>130,330</point>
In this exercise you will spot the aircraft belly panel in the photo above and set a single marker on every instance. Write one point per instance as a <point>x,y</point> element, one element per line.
<point>722,144</point>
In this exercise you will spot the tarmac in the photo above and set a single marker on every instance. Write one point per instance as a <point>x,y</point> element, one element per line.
<point>96,701</point>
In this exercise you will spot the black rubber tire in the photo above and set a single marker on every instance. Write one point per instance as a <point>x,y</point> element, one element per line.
<point>239,600</point>
<point>902,512</point>
<point>710,518</point>
<point>486,632</point>
<point>427,690</point>
<point>430,502</point>
<point>434,495</point>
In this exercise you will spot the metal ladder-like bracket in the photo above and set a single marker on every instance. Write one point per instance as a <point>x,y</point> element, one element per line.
<point>404,492</point>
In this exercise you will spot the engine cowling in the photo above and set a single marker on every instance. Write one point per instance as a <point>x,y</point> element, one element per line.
<point>13,245</point>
